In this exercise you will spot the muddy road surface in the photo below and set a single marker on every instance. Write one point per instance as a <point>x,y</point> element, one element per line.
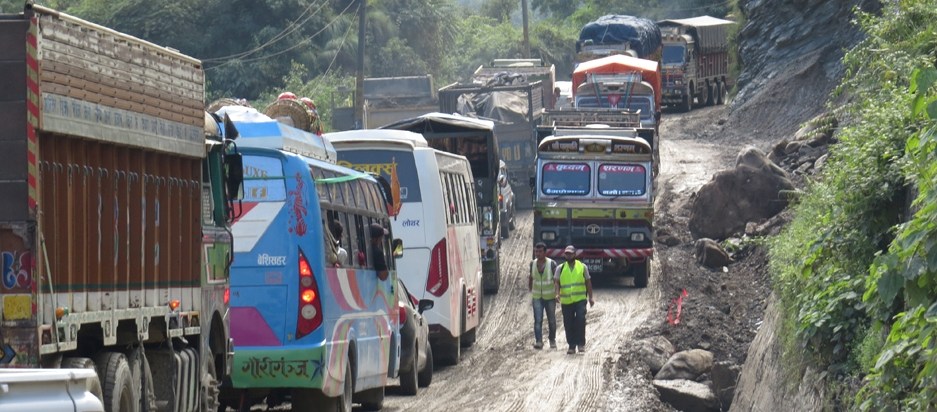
<point>503,372</point>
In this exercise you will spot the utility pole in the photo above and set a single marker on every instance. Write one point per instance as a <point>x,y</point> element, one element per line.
<point>526,36</point>
<point>359,79</point>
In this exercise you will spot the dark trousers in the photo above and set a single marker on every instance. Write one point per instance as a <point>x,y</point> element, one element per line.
<point>574,320</point>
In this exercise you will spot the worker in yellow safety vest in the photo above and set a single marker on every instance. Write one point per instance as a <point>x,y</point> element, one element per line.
<point>540,284</point>
<point>573,287</point>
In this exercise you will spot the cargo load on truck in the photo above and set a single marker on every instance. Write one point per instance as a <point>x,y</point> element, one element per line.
<point>114,214</point>
<point>533,70</point>
<point>695,61</point>
<point>515,107</point>
<point>619,34</point>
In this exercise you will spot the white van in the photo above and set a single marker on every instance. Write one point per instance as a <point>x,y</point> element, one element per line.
<point>438,224</point>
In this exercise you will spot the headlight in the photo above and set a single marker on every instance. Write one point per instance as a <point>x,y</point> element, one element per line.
<point>637,237</point>
<point>548,236</point>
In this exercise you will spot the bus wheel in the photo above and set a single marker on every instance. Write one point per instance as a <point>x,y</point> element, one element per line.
<point>117,381</point>
<point>641,273</point>
<point>372,399</point>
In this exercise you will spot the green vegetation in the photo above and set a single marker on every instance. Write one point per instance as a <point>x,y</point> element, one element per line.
<point>857,267</point>
<point>250,47</point>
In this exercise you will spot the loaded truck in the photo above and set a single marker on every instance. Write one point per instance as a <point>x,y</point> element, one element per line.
<point>114,215</point>
<point>695,61</point>
<point>515,109</point>
<point>619,34</point>
<point>532,70</point>
<point>389,99</point>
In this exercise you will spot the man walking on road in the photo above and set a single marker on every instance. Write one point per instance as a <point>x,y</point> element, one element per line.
<point>540,284</point>
<point>573,286</point>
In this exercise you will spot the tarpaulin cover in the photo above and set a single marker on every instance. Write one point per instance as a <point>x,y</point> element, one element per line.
<point>642,34</point>
<point>619,63</point>
<point>503,106</point>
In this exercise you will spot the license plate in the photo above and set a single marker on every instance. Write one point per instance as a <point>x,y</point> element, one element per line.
<point>594,265</point>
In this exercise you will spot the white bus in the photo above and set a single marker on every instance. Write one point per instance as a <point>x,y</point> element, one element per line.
<point>438,224</point>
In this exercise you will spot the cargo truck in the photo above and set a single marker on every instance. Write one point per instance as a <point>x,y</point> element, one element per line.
<point>533,70</point>
<point>695,61</point>
<point>114,214</point>
<point>515,110</point>
<point>619,34</point>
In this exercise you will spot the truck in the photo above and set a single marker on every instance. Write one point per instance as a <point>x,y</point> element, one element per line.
<point>49,390</point>
<point>695,61</point>
<point>595,190</point>
<point>615,91</point>
<point>389,99</point>
<point>115,215</point>
<point>618,34</point>
<point>515,108</point>
<point>532,69</point>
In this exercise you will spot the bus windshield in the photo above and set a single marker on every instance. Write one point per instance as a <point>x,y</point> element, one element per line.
<point>622,180</point>
<point>565,179</point>
<point>383,162</point>
<point>263,179</point>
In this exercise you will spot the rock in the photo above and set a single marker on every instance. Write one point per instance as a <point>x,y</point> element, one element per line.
<point>688,364</point>
<point>668,240</point>
<point>749,192</point>
<point>818,165</point>
<point>687,396</point>
<point>792,147</point>
<point>710,254</point>
<point>655,352</point>
<point>725,375</point>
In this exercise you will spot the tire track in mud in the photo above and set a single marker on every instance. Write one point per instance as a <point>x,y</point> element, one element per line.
<point>503,372</point>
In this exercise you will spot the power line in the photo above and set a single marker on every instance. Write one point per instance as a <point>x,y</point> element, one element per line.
<point>298,44</point>
<point>337,51</point>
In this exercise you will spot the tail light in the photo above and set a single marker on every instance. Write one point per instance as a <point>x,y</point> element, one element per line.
<point>500,199</point>
<point>227,296</point>
<point>437,282</point>
<point>310,306</point>
<point>401,313</point>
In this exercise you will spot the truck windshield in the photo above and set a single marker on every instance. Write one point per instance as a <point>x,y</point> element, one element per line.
<point>673,54</point>
<point>622,180</point>
<point>642,103</point>
<point>565,179</point>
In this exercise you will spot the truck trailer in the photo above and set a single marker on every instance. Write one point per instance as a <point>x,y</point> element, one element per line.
<point>114,215</point>
<point>695,61</point>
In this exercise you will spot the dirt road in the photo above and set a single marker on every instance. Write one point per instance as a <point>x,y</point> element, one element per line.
<point>504,373</point>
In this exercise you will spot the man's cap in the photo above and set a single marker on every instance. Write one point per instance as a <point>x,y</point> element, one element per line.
<point>377,230</point>
<point>570,249</point>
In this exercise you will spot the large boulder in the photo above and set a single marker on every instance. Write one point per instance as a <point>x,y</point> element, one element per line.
<point>687,396</point>
<point>655,352</point>
<point>710,254</point>
<point>750,192</point>
<point>689,364</point>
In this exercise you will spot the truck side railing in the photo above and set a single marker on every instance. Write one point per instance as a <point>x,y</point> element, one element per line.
<point>581,117</point>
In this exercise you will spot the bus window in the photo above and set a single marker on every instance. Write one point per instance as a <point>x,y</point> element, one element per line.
<point>263,180</point>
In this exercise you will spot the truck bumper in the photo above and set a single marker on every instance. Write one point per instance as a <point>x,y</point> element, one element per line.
<point>608,260</point>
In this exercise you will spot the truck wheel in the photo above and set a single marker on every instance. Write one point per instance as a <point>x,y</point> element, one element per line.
<point>513,218</point>
<point>641,273</point>
<point>372,399</point>
<point>117,380</point>
<point>505,228</point>
<point>426,374</point>
<point>722,94</point>
<point>687,102</point>
<point>709,94</point>
<point>85,363</point>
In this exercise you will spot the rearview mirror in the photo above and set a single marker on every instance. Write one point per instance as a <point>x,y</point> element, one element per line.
<point>234,166</point>
<point>425,304</point>
<point>397,247</point>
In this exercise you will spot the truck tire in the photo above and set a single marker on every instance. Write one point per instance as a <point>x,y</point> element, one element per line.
<point>722,94</point>
<point>117,381</point>
<point>687,101</point>
<point>372,399</point>
<point>85,363</point>
<point>641,272</point>
<point>710,100</point>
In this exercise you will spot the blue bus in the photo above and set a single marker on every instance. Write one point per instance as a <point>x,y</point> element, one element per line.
<point>313,316</point>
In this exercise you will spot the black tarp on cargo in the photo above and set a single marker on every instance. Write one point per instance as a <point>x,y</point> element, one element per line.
<point>642,34</point>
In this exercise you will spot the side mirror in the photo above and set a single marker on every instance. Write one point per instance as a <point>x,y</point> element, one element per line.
<point>397,247</point>
<point>234,166</point>
<point>425,304</point>
<point>533,182</point>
